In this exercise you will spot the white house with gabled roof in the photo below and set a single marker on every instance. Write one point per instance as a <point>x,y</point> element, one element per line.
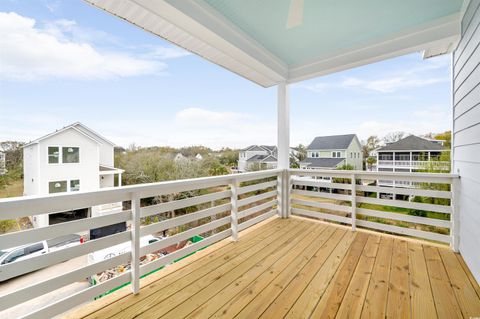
<point>74,158</point>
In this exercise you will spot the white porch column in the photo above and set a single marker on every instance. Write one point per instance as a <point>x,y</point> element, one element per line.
<point>283,146</point>
<point>120,179</point>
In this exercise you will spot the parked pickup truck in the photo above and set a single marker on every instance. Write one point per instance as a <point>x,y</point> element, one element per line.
<point>36,249</point>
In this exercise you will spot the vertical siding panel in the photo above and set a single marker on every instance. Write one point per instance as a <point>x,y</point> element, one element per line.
<point>466,134</point>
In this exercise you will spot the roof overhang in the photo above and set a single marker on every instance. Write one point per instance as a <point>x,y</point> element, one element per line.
<point>198,27</point>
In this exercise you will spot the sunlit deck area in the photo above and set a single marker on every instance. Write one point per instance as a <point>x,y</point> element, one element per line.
<point>298,268</point>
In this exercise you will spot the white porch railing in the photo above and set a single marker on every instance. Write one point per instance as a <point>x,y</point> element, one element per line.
<point>415,164</point>
<point>353,198</point>
<point>226,207</point>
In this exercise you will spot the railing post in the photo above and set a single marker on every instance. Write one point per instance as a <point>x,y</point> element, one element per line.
<point>354,203</point>
<point>234,210</point>
<point>135,252</point>
<point>454,216</point>
<point>283,197</point>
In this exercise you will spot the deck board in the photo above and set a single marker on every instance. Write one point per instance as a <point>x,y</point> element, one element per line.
<point>297,268</point>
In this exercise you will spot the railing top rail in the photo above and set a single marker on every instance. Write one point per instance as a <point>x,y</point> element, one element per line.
<point>372,174</point>
<point>28,205</point>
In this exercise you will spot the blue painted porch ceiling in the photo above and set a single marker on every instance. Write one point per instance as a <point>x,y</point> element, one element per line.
<point>329,26</point>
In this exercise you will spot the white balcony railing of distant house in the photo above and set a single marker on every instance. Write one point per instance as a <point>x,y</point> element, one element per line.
<point>218,207</point>
<point>441,165</point>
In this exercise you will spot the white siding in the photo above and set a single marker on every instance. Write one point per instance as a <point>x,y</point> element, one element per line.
<point>466,138</point>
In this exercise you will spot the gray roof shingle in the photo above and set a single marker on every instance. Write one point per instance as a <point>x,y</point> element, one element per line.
<point>412,143</point>
<point>334,142</point>
<point>322,162</point>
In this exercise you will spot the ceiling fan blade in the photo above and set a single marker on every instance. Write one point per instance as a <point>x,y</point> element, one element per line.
<point>295,14</point>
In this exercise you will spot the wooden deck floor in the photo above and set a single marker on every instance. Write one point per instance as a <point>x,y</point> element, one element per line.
<point>294,268</point>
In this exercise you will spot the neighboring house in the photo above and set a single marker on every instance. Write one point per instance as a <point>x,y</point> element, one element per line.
<point>263,156</point>
<point>199,157</point>
<point>71,159</point>
<point>3,170</point>
<point>410,154</point>
<point>331,152</point>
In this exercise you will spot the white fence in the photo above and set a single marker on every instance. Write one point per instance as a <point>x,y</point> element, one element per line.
<point>355,198</point>
<point>226,206</point>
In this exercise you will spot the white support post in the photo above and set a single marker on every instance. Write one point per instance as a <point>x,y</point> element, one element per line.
<point>354,203</point>
<point>135,252</point>
<point>454,216</point>
<point>283,146</point>
<point>234,210</point>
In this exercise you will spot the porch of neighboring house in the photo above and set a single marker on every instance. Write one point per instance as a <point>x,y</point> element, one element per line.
<point>299,268</point>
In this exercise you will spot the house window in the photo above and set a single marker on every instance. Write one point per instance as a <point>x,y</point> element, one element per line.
<point>57,187</point>
<point>70,155</point>
<point>336,154</point>
<point>74,185</point>
<point>53,154</point>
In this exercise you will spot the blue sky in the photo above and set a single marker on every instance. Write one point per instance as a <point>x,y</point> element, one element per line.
<point>65,61</point>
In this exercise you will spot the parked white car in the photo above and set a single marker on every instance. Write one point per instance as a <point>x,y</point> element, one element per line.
<point>36,249</point>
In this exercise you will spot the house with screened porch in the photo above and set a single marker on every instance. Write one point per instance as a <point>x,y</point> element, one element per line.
<point>270,249</point>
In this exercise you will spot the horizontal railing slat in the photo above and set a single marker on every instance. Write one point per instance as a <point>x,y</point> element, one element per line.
<point>182,203</point>
<point>256,198</point>
<point>318,183</point>
<point>256,220</point>
<point>38,234</point>
<point>165,260</point>
<point>405,204</point>
<point>44,287</point>
<point>322,195</point>
<point>181,220</point>
<point>183,236</point>
<point>406,191</point>
<point>252,188</point>
<point>331,217</point>
<point>404,231</point>
<point>78,298</point>
<point>404,217</point>
<point>330,206</point>
<point>256,209</point>
<point>28,265</point>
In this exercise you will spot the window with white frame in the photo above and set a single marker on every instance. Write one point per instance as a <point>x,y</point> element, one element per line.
<point>70,154</point>
<point>53,155</point>
<point>74,185</point>
<point>57,187</point>
<point>336,154</point>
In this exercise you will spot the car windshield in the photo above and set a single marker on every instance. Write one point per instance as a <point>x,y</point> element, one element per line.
<point>2,253</point>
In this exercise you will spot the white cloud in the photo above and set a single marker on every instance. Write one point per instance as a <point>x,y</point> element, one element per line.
<point>392,84</point>
<point>31,53</point>
<point>166,53</point>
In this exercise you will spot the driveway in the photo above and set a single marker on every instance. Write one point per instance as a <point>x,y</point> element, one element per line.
<point>40,275</point>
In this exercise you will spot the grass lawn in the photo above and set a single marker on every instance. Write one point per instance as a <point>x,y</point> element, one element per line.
<point>14,189</point>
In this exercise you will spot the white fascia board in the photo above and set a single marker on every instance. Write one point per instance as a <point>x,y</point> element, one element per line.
<point>164,20</point>
<point>89,131</point>
<point>422,37</point>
